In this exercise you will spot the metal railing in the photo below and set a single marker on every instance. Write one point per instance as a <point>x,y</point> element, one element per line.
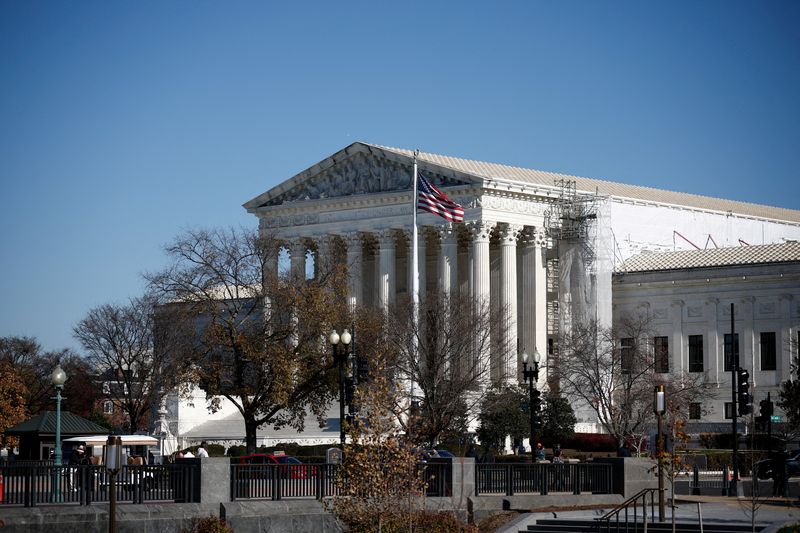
<point>543,478</point>
<point>624,510</point>
<point>277,482</point>
<point>29,485</point>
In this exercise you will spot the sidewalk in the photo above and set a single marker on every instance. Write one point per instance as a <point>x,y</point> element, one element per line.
<point>715,509</point>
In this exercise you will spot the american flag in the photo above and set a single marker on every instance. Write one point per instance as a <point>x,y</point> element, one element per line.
<point>435,201</point>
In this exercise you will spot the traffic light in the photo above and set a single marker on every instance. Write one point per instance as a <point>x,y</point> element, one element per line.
<point>744,398</point>
<point>349,391</point>
<point>536,396</point>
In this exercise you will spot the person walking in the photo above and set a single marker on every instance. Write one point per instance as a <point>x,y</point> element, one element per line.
<point>201,451</point>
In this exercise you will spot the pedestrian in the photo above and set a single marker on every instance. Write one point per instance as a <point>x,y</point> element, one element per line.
<point>471,452</point>
<point>488,457</point>
<point>83,472</point>
<point>557,458</point>
<point>779,474</point>
<point>201,451</point>
<point>539,452</point>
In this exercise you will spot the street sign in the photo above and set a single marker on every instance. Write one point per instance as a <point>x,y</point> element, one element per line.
<point>776,418</point>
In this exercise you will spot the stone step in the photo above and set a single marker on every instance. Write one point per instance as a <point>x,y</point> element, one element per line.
<point>592,526</point>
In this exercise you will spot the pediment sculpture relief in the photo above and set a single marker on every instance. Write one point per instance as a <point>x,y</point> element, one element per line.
<point>359,174</point>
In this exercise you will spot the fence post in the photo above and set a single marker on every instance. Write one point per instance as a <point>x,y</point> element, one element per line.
<point>477,478</point>
<point>575,471</point>
<point>318,480</point>
<point>509,480</point>
<point>542,467</point>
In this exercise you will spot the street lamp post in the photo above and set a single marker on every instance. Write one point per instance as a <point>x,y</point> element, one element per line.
<point>113,460</point>
<point>532,376</point>
<point>659,407</point>
<point>340,358</point>
<point>58,377</point>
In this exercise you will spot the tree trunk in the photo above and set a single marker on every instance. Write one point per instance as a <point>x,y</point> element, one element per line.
<point>250,428</point>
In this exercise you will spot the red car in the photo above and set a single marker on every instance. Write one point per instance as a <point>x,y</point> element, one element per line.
<point>295,468</point>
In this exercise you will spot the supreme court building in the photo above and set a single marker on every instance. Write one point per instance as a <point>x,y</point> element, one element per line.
<point>546,246</point>
<point>540,244</point>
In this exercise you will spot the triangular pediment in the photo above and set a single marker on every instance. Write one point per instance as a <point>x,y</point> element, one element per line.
<point>356,170</point>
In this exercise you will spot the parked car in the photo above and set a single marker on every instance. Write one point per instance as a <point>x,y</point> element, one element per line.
<point>763,468</point>
<point>294,470</point>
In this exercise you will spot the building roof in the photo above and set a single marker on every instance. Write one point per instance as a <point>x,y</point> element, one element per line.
<point>610,188</point>
<point>45,424</point>
<point>788,252</point>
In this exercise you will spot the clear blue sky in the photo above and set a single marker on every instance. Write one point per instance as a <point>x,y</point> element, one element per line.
<point>122,123</point>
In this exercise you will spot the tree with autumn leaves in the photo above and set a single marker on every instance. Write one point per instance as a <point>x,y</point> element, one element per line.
<point>251,336</point>
<point>26,388</point>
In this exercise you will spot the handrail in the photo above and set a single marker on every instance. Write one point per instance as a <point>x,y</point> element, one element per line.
<point>633,500</point>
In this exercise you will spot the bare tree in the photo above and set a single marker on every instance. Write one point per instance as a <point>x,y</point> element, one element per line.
<point>445,354</point>
<point>120,342</point>
<point>258,338</point>
<point>613,370</point>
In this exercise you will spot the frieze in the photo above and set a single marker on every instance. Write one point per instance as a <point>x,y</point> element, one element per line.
<point>694,311</point>
<point>359,174</point>
<point>512,205</point>
<point>660,313</point>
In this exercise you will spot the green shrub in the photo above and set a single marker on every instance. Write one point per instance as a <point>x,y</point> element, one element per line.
<point>237,451</point>
<point>215,450</point>
<point>208,524</point>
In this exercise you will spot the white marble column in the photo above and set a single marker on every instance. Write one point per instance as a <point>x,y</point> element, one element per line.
<point>355,251</point>
<point>323,258</point>
<point>526,328</point>
<point>481,291</point>
<point>508,234</point>
<point>481,280</point>
<point>783,357</point>
<point>747,337</point>
<point>533,307</point>
<point>297,256</point>
<point>677,361</point>
<point>540,298</point>
<point>714,355</point>
<point>386,268</point>
<point>448,259</point>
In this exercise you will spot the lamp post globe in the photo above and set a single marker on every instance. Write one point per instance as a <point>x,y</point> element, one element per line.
<point>58,377</point>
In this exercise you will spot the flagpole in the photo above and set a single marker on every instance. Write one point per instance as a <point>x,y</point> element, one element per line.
<point>414,271</point>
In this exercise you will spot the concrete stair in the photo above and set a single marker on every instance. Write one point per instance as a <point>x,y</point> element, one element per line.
<point>554,525</point>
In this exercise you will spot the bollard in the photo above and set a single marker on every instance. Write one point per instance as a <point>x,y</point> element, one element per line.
<point>696,481</point>
<point>725,482</point>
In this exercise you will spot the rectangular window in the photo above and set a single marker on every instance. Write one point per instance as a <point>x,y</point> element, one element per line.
<point>695,353</point>
<point>731,354</point>
<point>695,411</point>
<point>108,408</point>
<point>661,353</point>
<point>768,359</point>
<point>626,354</point>
<point>728,410</point>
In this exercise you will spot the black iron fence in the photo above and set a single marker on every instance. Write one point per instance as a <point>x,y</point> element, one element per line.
<point>31,485</point>
<point>276,482</point>
<point>543,478</point>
